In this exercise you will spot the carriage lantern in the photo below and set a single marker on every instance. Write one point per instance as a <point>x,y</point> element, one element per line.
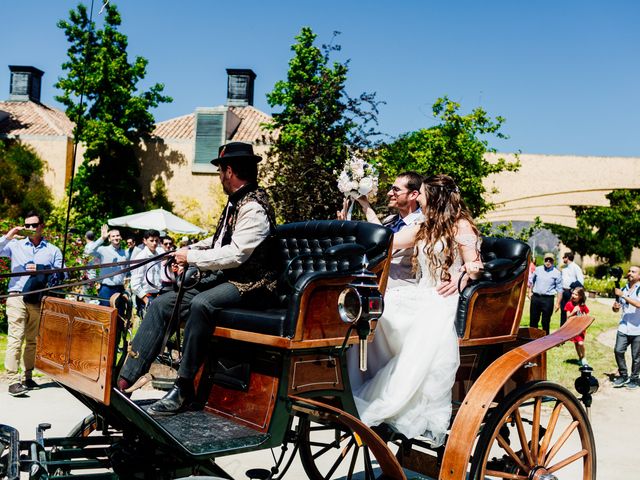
<point>359,303</point>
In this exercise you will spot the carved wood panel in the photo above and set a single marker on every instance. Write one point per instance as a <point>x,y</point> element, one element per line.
<point>76,345</point>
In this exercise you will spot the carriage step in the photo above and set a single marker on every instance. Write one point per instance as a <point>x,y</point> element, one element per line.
<point>201,432</point>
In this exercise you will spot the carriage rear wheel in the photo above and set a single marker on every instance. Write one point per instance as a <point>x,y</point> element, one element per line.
<point>538,431</point>
<point>330,451</point>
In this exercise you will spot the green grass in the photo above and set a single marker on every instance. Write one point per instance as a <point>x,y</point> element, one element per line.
<point>3,348</point>
<point>562,366</point>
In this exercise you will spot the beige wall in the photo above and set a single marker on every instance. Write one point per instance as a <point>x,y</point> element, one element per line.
<point>198,197</point>
<point>547,185</point>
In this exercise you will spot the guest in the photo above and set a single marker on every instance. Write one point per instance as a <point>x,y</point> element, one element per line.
<point>546,284</point>
<point>108,254</point>
<point>23,312</point>
<point>577,306</point>
<point>167,244</point>
<point>572,277</point>
<point>628,330</point>
<point>146,280</point>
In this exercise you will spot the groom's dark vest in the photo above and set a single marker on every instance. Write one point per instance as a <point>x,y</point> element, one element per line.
<point>258,272</point>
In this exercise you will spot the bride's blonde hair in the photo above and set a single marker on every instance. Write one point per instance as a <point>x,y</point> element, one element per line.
<point>444,208</point>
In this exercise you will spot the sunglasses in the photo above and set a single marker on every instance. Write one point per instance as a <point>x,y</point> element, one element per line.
<point>166,243</point>
<point>31,225</point>
<point>548,260</point>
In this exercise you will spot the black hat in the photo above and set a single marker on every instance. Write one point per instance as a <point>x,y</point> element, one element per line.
<point>236,151</point>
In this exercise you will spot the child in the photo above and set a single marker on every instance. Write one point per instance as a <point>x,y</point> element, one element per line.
<point>576,306</point>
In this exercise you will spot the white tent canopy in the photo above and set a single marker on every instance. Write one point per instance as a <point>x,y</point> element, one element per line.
<point>158,219</point>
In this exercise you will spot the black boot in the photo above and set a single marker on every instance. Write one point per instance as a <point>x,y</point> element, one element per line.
<point>177,400</point>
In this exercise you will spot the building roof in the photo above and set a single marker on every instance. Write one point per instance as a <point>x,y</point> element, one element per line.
<point>184,127</point>
<point>33,118</point>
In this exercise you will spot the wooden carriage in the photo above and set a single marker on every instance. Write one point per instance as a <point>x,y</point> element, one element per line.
<point>279,376</point>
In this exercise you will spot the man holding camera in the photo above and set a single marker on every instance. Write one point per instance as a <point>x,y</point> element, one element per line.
<point>23,312</point>
<point>628,300</point>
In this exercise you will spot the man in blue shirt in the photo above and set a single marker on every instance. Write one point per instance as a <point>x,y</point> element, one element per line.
<point>628,299</point>
<point>546,284</point>
<point>110,253</point>
<point>27,254</point>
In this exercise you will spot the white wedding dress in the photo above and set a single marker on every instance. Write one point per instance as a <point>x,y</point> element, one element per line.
<point>414,358</point>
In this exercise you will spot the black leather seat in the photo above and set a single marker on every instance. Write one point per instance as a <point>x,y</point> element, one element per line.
<point>504,260</point>
<point>302,258</point>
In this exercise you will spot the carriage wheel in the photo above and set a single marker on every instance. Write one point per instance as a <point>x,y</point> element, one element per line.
<point>331,450</point>
<point>540,429</point>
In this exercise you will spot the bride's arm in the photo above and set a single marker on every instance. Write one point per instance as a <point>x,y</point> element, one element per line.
<point>467,243</point>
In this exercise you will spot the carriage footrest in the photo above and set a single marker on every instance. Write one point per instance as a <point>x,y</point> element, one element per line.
<point>201,432</point>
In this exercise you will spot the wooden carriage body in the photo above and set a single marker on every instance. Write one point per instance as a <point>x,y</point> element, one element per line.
<point>273,364</point>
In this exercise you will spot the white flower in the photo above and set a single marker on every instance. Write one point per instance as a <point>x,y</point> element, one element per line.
<point>366,185</point>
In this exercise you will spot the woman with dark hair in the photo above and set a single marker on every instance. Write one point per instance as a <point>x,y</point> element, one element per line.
<point>577,306</point>
<point>412,392</point>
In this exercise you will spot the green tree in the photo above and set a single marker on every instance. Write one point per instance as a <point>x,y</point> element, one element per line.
<point>456,147</point>
<point>610,232</point>
<point>317,126</point>
<point>21,185</point>
<point>112,117</point>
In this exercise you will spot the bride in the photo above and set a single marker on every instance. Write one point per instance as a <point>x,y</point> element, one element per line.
<point>411,392</point>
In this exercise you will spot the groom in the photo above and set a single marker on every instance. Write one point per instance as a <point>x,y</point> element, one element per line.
<point>403,197</point>
<point>242,271</point>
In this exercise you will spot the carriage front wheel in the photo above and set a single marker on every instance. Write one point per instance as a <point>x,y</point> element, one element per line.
<point>538,431</point>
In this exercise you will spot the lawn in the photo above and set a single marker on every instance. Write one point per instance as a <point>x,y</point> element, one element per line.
<point>562,361</point>
<point>562,365</point>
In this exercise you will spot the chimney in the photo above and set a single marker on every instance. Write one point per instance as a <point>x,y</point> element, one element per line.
<point>240,87</point>
<point>25,83</point>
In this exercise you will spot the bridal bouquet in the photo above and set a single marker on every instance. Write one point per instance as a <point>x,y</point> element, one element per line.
<point>358,178</point>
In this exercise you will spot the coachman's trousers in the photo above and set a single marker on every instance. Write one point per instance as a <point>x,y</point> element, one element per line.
<point>199,308</point>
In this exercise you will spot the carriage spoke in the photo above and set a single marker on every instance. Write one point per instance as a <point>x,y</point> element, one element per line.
<point>576,456</point>
<point>561,441</point>
<point>368,468</point>
<point>549,433</point>
<point>329,446</point>
<point>523,437</point>
<point>340,458</point>
<point>503,443</point>
<point>511,476</point>
<point>353,463</point>
<point>535,427</point>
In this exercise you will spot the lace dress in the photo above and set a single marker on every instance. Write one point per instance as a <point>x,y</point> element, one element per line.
<point>415,357</point>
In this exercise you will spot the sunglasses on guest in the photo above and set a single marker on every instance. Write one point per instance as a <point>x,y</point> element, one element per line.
<point>31,225</point>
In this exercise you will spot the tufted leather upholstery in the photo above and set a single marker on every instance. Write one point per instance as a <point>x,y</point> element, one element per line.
<point>504,259</point>
<point>300,248</point>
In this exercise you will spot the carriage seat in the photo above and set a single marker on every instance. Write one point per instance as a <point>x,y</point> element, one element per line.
<point>504,260</point>
<point>301,251</point>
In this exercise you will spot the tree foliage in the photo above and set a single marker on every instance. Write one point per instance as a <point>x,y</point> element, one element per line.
<point>456,147</point>
<point>113,116</point>
<point>21,185</point>
<point>610,232</point>
<point>317,127</point>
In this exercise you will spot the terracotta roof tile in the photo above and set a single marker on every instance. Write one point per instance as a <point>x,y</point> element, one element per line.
<point>248,131</point>
<point>32,118</point>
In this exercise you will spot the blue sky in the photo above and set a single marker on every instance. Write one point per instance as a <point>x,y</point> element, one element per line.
<point>565,74</point>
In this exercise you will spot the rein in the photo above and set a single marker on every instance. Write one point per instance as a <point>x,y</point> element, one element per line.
<point>129,265</point>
